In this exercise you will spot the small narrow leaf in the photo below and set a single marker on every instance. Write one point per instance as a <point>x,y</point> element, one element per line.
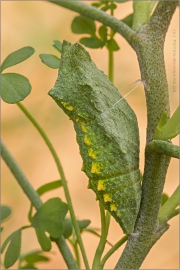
<point>164,198</point>
<point>28,266</point>
<point>112,45</point>
<point>13,250</point>
<point>97,4</point>
<point>128,20</point>
<point>34,258</point>
<point>83,25</point>
<point>161,123</point>
<point>171,129</point>
<point>49,186</point>
<point>57,45</point>
<point>111,6</point>
<point>17,57</point>
<point>121,1</point>
<point>83,223</point>
<point>50,60</point>
<point>5,212</point>
<point>91,42</point>
<point>43,239</point>
<point>14,87</point>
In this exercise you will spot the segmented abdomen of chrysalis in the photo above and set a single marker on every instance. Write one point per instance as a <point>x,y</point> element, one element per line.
<point>107,134</point>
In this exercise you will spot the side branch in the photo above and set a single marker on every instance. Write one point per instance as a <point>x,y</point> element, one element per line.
<point>163,147</point>
<point>98,15</point>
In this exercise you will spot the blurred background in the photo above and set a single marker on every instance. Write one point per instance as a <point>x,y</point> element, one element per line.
<point>37,24</point>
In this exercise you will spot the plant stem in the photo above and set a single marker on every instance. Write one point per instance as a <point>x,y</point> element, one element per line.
<point>112,250</point>
<point>20,177</point>
<point>148,45</point>
<point>63,179</point>
<point>111,56</point>
<point>67,255</point>
<point>111,65</point>
<point>169,206</point>
<point>141,14</point>
<point>34,199</point>
<point>164,147</point>
<point>98,15</point>
<point>102,242</point>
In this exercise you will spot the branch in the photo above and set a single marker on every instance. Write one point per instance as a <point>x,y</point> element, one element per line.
<point>163,147</point>
<point>98,15</point>
<point>148,44</point>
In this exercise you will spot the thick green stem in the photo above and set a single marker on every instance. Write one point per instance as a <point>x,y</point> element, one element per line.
<point>102,242</point>
<point>163,147</point>
<point>98,15</point>
<point>148,45</point>
<point>141,14</point>
<point>34,199</point>
<point>20,177</point>
<point>63,179</point>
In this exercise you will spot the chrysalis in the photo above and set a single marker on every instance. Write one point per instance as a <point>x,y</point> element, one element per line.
<point>109,143</point>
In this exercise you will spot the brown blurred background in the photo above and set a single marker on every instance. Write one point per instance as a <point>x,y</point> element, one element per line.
<point>37,24</point>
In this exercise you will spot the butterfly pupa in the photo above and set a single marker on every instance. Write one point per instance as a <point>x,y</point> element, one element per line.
<point>109,145</point>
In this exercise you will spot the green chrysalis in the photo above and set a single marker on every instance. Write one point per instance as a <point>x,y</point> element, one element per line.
<point>107,135</point>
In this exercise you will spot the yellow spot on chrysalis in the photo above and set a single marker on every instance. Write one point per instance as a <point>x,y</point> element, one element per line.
<point>87,141</point>
<point>96,168</point>
<point>107,198</point>
<point>91,153</point>
<point>100,185</point>
<point>67,106</point>
<point>118,214</point>
<point>113,207</point>
<point>76,120</point>
<point>83,127</point>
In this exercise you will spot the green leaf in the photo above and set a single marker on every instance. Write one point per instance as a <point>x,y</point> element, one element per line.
<point>171,129</point>
<point>103,32</point>
<point>91,42</point>
<point>49,218</point>
<point>5,212</point>
<point>128,20</point>
<point>111,6</point>
<point>28,266</point>
<point>97,4</point>
<point>57,45</point>
<point>14,87</point>
<point>17,57</point>
<point>68,228</point>
<point>50,60</point>
<point>43,189</point>
<point>83,25</point>
<point>49,186</point>
<point>164,198</point>
<point>35,257</point>
<point>13,250</point>
<point>43,239</point>
<point>83,223</point>
<point>121,1</point>
<point>112,45</point>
